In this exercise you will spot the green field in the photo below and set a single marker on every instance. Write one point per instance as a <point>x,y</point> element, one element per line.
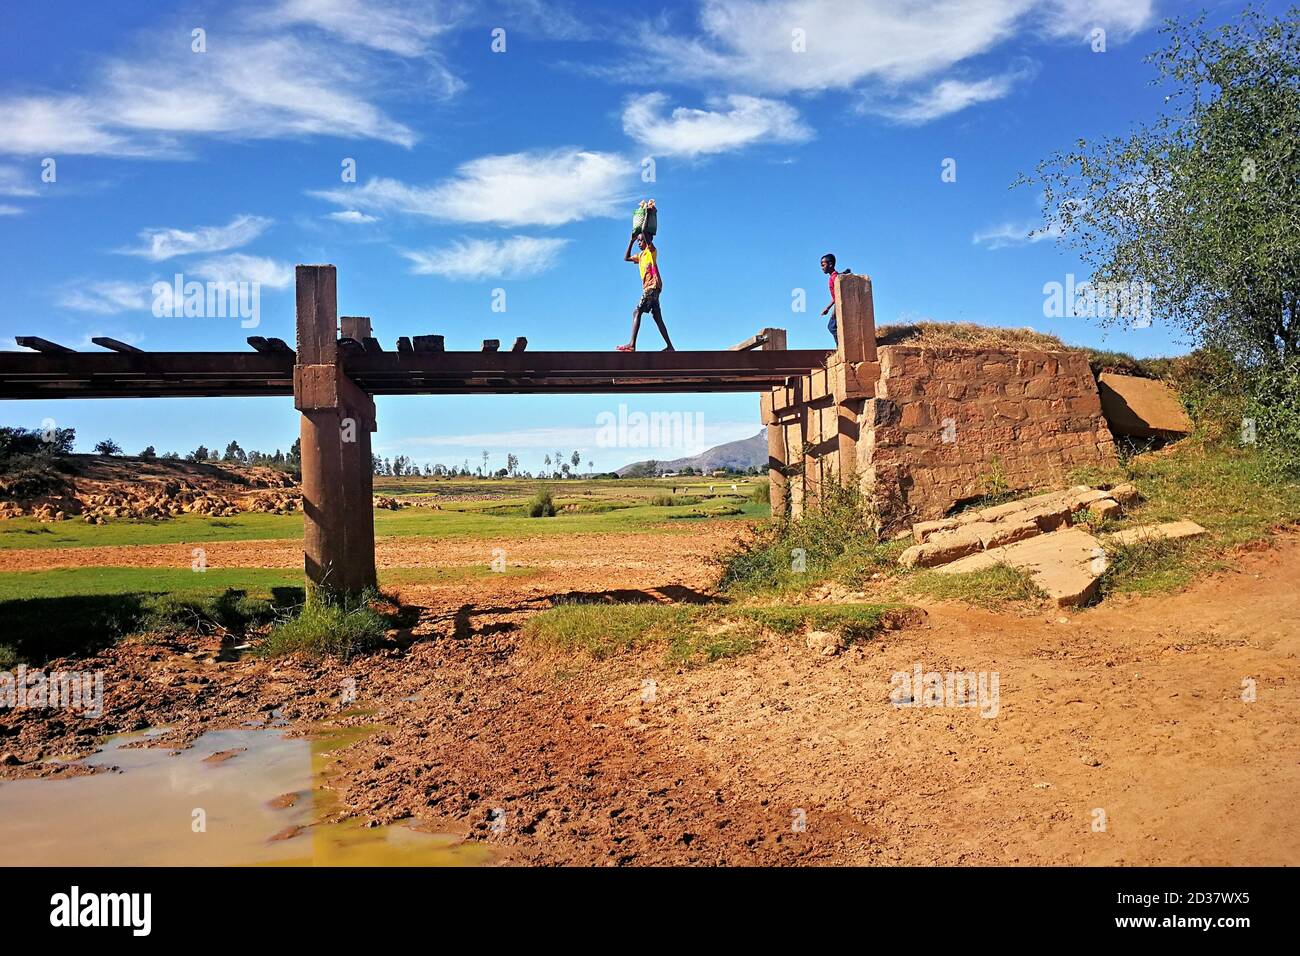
<point>464,508</point>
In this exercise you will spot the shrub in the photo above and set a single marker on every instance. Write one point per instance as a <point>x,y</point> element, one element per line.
<point>541,506</point>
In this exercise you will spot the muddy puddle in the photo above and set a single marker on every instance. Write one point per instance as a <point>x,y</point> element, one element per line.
<point>236,797</point>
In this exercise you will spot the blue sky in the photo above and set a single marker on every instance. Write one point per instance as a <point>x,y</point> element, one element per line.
<point>778,130</point>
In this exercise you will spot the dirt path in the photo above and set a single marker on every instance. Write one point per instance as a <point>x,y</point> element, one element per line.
<point>1129,715</point>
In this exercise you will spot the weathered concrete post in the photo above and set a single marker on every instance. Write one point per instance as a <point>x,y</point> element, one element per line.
<point>333,558</point>
<point>854,380</point>
<point>776,450</point>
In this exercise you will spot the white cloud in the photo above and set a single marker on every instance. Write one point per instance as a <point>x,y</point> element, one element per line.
<point>404,27</point>
<point>246,86</point>
<point>733,123</point>
<point>352,215</point>
<point>948,96</point>
<point>37,125</point>
<point>513,258</point>
<point>10,210</point>
<point>14,182</point>
<point>1075,19</point>
<point>160,244</point>
<point>878,47</point>
<point>106,298</point>
<point>238,267</point>
<point>1014,234</point>
<point>517,189</point>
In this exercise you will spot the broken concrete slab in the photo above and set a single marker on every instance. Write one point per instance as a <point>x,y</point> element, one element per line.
<point>923,529</point>
<point>1126,494</point>
<point>1141,407</point>
<point>942,547</point>
<point>1169,531</point>
<point>1065,564</point>
<point>1105,508</point>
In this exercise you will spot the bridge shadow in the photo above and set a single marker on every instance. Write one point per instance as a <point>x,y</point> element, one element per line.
<point>668,593</point>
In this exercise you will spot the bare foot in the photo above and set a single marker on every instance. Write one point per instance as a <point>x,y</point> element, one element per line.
<point>625,348</point>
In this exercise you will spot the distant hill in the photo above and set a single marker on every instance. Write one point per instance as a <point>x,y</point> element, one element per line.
<point>742,454</point>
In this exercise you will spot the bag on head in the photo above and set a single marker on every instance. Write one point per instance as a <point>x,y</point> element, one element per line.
<point>645,219</point>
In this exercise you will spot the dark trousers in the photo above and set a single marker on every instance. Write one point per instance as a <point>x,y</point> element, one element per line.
<point>834,329</point>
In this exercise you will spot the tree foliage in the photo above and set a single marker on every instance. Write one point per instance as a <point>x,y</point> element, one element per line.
<point>1204,203</point>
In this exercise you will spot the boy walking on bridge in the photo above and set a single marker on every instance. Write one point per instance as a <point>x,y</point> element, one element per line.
<point>828,267</point>
<point>652,284</point>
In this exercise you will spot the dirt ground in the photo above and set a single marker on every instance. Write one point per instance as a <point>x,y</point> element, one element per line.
<point>1121,733</point>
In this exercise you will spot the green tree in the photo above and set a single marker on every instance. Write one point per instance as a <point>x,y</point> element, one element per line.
<point>1202,205</point>
<point>108,447</point>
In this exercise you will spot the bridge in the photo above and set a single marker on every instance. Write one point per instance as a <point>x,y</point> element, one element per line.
<point>337,366</point>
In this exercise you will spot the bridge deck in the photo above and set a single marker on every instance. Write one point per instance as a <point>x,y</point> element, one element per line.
<point>54,374</point>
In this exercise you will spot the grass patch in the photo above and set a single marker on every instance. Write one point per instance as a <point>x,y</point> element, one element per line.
<point>990,588</point>
<point>326,625</point>
<point>8,657</point>
<point>689,634</point>
<point>838,541</point>
<point>1230,491</point>
<point>76,611</point>
<point>1149,567</point>
<point>968,335</point>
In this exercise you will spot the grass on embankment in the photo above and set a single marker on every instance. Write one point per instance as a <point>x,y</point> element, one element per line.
<point>1225,489</point>
<point>690,633</point>
<point>1228,490</point>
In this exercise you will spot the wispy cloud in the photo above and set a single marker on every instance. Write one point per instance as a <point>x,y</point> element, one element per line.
<point>880,48</point>
<point>260,79</point>
<point>352,216</point>
<point>237,267</point>
<point>10,210</point>
<point>1075,19</point>
<point>15,182</point>
<point>105,297</point>
<point>732,123</point>
<point>949,96</point>
<point>514,258</point>
<point>1014,234</point>
<point>541,188</point>
<point>159,244</point>
<point>404,27</point>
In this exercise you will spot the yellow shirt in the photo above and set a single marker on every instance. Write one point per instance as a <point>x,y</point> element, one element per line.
<point>648,263</point>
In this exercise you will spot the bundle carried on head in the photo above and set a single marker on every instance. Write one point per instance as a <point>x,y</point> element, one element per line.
<point>645,220</point>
